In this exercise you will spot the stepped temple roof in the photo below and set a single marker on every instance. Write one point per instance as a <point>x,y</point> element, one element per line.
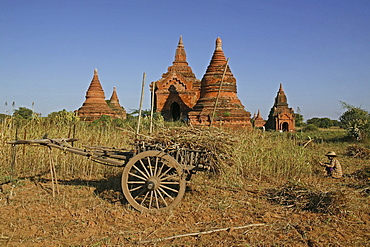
<point>230,111</point>
<point>178,90</point>
<point>95,105</point>
<point>281,117</point>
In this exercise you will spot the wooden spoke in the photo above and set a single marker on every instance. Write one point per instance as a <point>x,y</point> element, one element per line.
<point>164,201</point>
<point>136,188</point>
<point>144,166</point>
<point>168,188</point>
<point>142,173</point>
<point>164,192</point>
<point>150,166</point>
<point>139,177</point>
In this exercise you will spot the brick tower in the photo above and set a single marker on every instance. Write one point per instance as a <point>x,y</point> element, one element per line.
<point>178,90</point>
<point>95,104</point>
<point>230,112</point>
<point>258,121</point>
<point>281,117</point>
<point>115,106</point>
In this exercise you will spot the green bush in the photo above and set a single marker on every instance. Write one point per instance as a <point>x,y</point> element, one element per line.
<point>310,127</point>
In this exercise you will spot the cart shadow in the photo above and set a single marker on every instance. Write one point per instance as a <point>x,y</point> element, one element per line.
<point>108,189</point>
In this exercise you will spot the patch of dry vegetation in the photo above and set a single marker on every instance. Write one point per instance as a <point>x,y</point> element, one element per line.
<point>265,180</point>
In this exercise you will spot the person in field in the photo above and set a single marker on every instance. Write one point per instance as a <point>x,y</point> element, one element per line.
<point>333,167</point>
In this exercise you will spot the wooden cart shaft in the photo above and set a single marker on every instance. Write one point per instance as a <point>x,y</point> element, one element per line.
<point>113,158</point>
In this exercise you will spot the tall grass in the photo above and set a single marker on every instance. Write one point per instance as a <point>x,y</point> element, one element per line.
<point>266,156</point>
<point>255,155</point>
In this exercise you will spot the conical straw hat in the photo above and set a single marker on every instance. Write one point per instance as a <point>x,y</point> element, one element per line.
<point>331,153</point>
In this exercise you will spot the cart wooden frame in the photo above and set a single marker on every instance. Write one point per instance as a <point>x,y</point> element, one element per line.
<point>154,175</point>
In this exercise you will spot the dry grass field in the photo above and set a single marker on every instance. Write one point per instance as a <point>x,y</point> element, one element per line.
<point>269,191</point>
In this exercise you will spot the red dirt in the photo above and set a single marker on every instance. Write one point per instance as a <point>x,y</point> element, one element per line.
<point>93,212</point>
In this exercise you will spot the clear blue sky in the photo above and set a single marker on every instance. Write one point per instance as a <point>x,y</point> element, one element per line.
<point>319,50</point>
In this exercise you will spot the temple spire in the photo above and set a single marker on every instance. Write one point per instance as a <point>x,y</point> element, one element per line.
<point>281,117</point>
<point>178,90</point>
<point>95,104</point>
<point>180,42</point>
<point>114,97</point>
<point>258,114</point>
<point>218,44</point>
<point>180,56</point>
<point>115,105</point>
<point>230,111</point>
<point>281,98</point>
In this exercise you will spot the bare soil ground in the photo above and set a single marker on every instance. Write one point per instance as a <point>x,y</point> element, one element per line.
<point>92,212</point>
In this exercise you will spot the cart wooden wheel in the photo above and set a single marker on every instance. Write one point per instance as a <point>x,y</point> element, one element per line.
<point>153,181</point>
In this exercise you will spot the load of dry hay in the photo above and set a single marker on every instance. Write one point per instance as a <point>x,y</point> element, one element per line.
<point>358,152</point>
<point>217,143</point>
<point>301,197</point>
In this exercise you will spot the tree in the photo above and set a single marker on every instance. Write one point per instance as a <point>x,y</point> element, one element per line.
<point>24,113</point>
<point>63,117</point>
<point>321,122</point>
<point>310,127</point>
<point>298,119</point>
<point>325,123</point>
<point>356,121</point>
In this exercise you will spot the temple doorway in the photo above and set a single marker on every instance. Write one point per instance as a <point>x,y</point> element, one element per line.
<point>175,111</point>
<point>285,127</point>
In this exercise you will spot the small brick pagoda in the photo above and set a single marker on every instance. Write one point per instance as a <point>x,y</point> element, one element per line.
<point>95,105</point>
<point>281,117</point>
<point>258,121</point>
<point>178,90</point>
<point>115,106</point>
<point>229,112</point>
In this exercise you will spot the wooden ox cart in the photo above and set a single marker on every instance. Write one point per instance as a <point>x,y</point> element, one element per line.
<point>154,175</point>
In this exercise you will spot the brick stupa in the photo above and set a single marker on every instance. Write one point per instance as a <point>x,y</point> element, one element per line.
<point>230,112</point>
<point>281,117</point>
<point>95,105</point>
<point>178,90</point>
<point>258,121</point>
<point>115,105</point>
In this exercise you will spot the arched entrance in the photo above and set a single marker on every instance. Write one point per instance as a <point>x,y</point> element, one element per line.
<point>285,126</point>
<point>175,111</point>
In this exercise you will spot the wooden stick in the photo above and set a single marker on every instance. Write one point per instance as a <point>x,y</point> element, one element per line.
<point>14,155</point>
<point>141,103</point>
<point>152,110</point>
<point>218,94</point>
<point>51,171</point>
<point>305,145</point>
<point>201,233</point>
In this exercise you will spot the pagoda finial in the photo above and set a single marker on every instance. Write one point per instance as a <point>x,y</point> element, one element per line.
<point>219,44</point>
<point>95,71</point>
<point>180,56</point>
<point>281,87</point>
<point>180,42</point>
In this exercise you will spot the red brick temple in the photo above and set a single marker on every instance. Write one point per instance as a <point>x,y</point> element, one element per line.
<point>178,90</point>
<point>115,106</point>
<point>258,121</point>
<point>281,117</point>
<point>229,112</point>
<point>95,105</point>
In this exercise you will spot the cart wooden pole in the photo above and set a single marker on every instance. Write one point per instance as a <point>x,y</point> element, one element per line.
<point>218,94</point>
<point>152,109</point>
<point>141,104</point>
